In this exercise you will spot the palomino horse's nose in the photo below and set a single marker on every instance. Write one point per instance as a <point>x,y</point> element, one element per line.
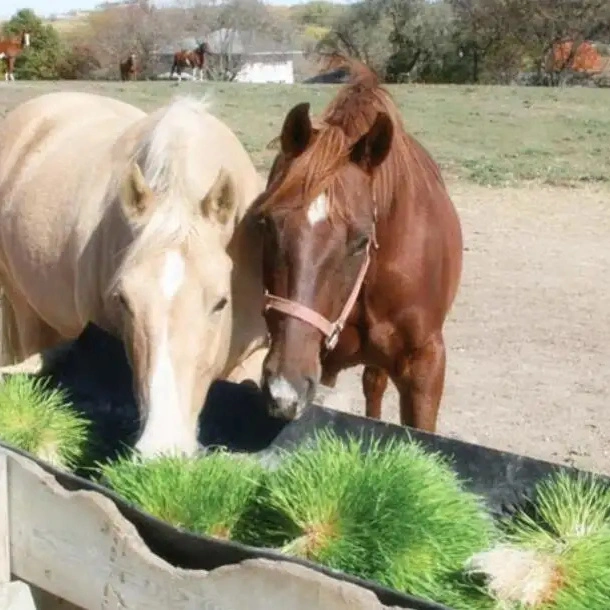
<point>286,399</point>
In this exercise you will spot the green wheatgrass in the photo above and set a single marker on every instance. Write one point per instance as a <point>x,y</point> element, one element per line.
<point>205,495</point>
<point>41,420</point>
<point>394,514</point>
<point>570,526</point>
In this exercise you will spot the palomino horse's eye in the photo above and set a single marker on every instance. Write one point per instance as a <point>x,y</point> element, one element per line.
<point>122,301</point>
<point>220,305</point>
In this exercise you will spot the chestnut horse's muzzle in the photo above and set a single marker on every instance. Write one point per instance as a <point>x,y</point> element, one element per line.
<point>285,398</point>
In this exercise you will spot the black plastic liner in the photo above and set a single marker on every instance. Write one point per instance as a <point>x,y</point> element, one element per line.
<point>98,378</point>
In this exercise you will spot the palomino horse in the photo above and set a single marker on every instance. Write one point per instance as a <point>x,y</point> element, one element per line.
<point>129,68</point>
<point>127,220</point>
<point>188,59</point>
<point>362,256</point>
<point>9,51</point>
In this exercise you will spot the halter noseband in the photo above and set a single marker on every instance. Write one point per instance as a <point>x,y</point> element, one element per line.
<point>331,330</point>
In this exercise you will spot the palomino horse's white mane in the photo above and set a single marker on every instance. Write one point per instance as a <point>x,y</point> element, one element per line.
<point>168,151</point>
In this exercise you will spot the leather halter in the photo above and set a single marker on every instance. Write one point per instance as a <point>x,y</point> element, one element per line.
<point>331,330</point>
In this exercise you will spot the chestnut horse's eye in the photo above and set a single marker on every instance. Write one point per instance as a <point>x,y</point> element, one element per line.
<point>359,244</point>
<point>263,223</point>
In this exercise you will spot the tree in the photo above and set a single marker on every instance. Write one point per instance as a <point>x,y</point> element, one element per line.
<point>543,25</point>
<point>139,27</point>
<point>401,39</point>
<point>42,59</point>
<point>361,31</point>
<point>481,30</point>
<point>79,62</point>
<point>316,13</point>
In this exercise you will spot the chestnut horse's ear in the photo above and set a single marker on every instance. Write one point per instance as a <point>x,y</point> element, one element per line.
<point>136,196</point>
<point>373,147</point>
<point>296,131</point>
<point>220,201</point>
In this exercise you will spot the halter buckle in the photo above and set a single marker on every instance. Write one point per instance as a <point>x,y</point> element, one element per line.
<point>331,341</point>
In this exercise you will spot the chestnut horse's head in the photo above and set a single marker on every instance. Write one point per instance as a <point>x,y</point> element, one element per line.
<point>318,217</point>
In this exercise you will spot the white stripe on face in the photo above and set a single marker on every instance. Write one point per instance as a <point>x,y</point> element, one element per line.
<point>318,210</point>
<point>167,429</point>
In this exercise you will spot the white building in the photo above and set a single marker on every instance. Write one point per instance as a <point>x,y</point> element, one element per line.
<point>268,67</point>
<point>246,56</point>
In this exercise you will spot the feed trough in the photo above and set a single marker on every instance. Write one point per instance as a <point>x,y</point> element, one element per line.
<point>98,378</point>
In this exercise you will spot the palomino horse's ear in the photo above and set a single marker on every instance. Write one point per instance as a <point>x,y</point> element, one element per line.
<point>296,131</point>
<point>373,147</point>
<point>136,195</point>
<point>221,198</point>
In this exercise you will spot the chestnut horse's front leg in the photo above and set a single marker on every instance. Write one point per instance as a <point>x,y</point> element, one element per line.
<point>421,384</point>
<point>374,383</point>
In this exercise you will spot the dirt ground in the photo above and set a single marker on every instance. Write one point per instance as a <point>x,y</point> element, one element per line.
<point>529,335</point>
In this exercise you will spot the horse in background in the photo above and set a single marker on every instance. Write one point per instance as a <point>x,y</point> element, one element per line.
<point>10,49</point>
<point>190,59</point>
<point>129,68</point>
<point>143,238</point>
<point>362,255</point>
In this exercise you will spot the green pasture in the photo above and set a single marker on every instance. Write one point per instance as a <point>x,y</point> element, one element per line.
<point>487,135</point>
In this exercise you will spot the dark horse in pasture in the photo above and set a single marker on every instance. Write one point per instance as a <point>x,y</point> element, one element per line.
<point>190,59</point>
<point>129,68</point>
<point>10,49</point>
<point>362,256</point>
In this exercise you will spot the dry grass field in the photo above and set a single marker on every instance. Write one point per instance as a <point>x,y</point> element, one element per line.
<point>529,169</point>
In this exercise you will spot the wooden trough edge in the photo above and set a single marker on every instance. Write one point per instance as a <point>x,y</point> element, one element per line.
<point>77,546</point>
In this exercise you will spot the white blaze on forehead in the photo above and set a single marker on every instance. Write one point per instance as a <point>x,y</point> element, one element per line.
<point>318,209</point>
<point>167,427</point>
<point>173,274</point>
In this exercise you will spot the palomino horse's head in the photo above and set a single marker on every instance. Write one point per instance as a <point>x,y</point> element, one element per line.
<point>25,39</point>
<point>171,296</point>
<point>318,218</point>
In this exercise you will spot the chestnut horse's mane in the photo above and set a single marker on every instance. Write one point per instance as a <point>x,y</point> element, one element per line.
<point>349,116</point>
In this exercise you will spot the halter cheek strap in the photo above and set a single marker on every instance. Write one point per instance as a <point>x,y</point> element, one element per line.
<point>331,330</point>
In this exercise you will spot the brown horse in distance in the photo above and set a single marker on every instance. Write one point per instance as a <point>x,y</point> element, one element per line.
<point>129,68</point>
<point>362,256</point>
<point>10,49</point>
<point>190,59</point>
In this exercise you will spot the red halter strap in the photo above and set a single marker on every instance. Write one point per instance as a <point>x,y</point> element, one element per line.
<point>331,330</point>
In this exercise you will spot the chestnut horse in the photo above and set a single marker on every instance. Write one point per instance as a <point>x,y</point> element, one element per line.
<point>9,51</point>
<point>128,68</point>
<point>131,221</point>
<point>362,256</point>
<point>188,59</point>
